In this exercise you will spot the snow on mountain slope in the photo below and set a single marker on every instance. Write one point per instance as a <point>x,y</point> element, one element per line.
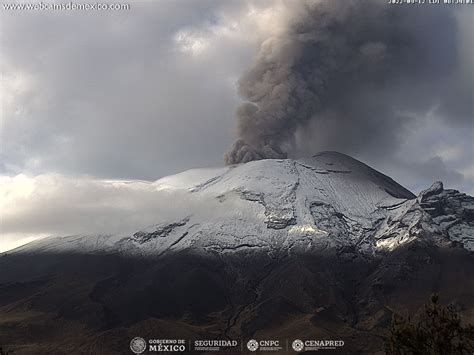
<point>328,201</point>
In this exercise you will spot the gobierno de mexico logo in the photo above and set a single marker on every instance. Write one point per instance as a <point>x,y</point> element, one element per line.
<point>138,345</point>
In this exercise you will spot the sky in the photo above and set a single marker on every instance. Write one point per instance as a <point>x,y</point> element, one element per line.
<point>89,98</point>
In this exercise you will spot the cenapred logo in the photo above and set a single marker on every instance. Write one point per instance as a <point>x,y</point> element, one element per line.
<point>138,345</point>
<point>297,345</point>
<point>252,345</point>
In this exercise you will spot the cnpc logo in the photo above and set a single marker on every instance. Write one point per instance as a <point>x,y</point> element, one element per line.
<point>254,345</point>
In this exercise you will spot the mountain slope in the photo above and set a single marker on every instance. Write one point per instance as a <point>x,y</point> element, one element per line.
<point>322,247</point>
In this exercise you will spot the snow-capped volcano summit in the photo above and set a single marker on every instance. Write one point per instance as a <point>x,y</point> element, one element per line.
<point>340,169</point>
<point>270,249</point>
<point>329,199</point>
<point>285,205</point>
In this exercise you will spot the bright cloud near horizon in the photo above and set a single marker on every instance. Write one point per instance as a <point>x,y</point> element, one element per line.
<point>93,97</point>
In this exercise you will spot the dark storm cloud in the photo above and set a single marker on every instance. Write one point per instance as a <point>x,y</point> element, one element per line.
<point>349,75</point>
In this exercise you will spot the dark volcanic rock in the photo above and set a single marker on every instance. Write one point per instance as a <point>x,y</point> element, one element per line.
<point>225,296</point>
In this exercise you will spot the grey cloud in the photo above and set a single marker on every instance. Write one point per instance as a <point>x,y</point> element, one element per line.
<point>112,95</point>
<point>421,173</point>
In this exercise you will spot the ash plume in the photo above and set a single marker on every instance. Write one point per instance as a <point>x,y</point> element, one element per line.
<point>342,73</point>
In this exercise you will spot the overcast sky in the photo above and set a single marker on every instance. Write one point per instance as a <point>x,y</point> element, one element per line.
<point>152,91</point>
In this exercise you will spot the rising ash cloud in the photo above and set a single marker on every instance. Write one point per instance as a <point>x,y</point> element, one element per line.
<point>349,76</point>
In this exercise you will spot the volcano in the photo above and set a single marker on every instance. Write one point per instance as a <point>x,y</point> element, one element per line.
<point>315,248</point>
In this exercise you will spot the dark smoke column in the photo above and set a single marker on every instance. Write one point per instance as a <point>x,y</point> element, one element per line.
<point>330,58</point>
<point>278,98</point>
